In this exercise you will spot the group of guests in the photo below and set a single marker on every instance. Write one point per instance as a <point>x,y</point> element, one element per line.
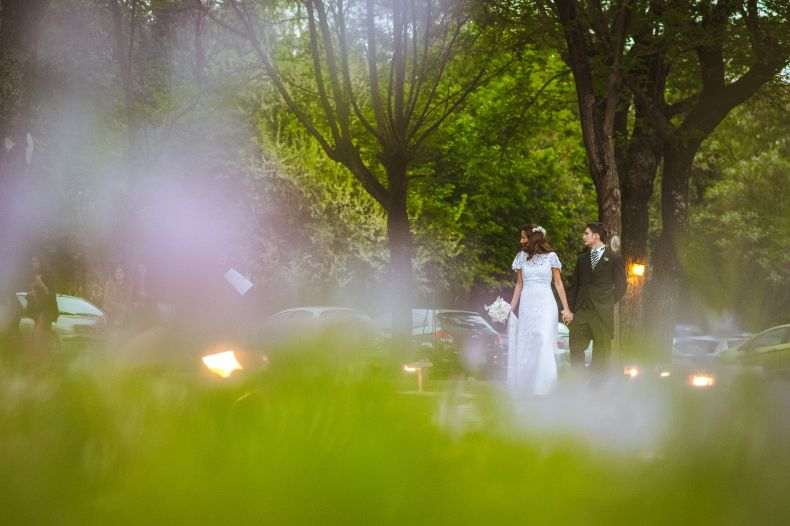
<point>129,303</point>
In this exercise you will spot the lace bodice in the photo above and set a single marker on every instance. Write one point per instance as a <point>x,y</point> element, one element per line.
<point>538,268</point>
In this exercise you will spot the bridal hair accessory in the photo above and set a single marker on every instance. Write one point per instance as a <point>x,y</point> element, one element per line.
<point>539,229</point>
<point>499,310</point>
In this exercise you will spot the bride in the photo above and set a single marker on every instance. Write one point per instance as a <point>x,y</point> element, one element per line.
<point>532,336</point>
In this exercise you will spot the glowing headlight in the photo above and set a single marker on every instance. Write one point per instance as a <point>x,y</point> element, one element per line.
<point>222,364</point>
<point>701,380</point>
<point>631,372</point>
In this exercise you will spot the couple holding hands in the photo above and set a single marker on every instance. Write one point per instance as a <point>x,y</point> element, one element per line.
<point>598,283</point>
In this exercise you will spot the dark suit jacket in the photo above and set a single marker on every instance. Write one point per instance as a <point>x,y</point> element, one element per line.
<point>598,289</point>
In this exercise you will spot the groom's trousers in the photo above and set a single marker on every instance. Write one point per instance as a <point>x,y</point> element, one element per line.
<point>587,325</point>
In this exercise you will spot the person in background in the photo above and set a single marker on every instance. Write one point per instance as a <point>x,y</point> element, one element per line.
<point>42,305</point>
<point>117,300</point>
<point>143,312</point>
<point>10,315</point>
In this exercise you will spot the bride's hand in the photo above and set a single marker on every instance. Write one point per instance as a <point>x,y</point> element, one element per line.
<point>567,316</point>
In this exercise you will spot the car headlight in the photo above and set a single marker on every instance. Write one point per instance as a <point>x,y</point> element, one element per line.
<point>702,380</point>
<point>222,364</point>
<point>631,371</point>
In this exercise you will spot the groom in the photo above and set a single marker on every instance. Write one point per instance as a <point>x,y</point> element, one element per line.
<point>598,283</point>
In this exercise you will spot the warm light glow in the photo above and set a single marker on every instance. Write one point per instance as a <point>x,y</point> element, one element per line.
<point>409,369</point>
<point>637,269</point>
<point>632,372</point>
<point>701,380</point>
<point>222,364</point>
<point>665,374</point>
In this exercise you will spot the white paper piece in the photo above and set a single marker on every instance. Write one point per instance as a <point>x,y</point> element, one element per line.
<point>29,149</point>
<point>238,282</point>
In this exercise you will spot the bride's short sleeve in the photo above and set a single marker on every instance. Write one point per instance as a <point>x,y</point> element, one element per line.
<point>555,261</point>
<point>519,261</point>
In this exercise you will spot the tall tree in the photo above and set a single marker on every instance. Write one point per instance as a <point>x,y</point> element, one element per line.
<point>671,71</point>
<point>20,22</point>
<point>724,53</point>
<point>384,75</point>
<point>594,44</point>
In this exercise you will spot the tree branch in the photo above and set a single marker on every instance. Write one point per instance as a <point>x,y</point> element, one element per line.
<point>375,94</point>
<point>315,52</point>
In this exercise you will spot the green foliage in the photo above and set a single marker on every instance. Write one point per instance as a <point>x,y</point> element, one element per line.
<point>512,158</point>
<point>308,443</point>
<point>743,232</point>
<point>741,226</point>
<point>319,231</point>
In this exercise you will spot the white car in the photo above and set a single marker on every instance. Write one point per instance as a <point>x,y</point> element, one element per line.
<point>562,354</point>
<point>80,322</point>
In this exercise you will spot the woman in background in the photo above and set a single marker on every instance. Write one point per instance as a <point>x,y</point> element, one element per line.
<point>117,300</point>
<point>532,336</point>
<point>42,304</point>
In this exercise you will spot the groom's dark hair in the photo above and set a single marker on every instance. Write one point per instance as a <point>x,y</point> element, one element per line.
<point>598,228</point>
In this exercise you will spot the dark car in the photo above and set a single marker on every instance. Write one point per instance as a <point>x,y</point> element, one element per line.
<point>455,341</point>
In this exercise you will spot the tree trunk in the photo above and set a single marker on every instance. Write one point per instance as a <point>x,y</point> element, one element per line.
<point>599,144</point>
<point>665,287</point>
<point>19,36</point>
<point>122,52</point>
<point>401,286</point>
<point>636,183</point>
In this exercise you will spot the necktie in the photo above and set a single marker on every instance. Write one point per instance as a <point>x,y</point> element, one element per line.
<point>595,255</point>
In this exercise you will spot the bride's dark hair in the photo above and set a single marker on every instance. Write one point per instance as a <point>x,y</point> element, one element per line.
<point>536,242</point>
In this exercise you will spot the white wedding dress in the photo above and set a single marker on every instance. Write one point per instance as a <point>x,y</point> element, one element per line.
<point>532,337</point>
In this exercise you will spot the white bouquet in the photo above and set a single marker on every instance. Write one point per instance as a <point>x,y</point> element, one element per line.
<point>499,310</point>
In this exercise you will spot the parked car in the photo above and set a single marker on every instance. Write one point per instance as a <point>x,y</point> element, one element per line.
<point>562,355</point>
<point>686,330</point>
<point>310,326</point>
<point>79,323</point>
<point>768,350</point>
<point>705,348</point>
<point>455,341</point>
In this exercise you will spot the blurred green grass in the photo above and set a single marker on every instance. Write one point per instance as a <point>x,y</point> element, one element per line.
<point>310,442</point>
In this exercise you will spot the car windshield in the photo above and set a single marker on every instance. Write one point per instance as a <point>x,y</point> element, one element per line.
<point>77,307</point>
<point>341,314</point>
<point>421,318</point>
<point>770,338</point>
<point>697,346</point>
<point>464,320</point>
<point>297,315</point>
